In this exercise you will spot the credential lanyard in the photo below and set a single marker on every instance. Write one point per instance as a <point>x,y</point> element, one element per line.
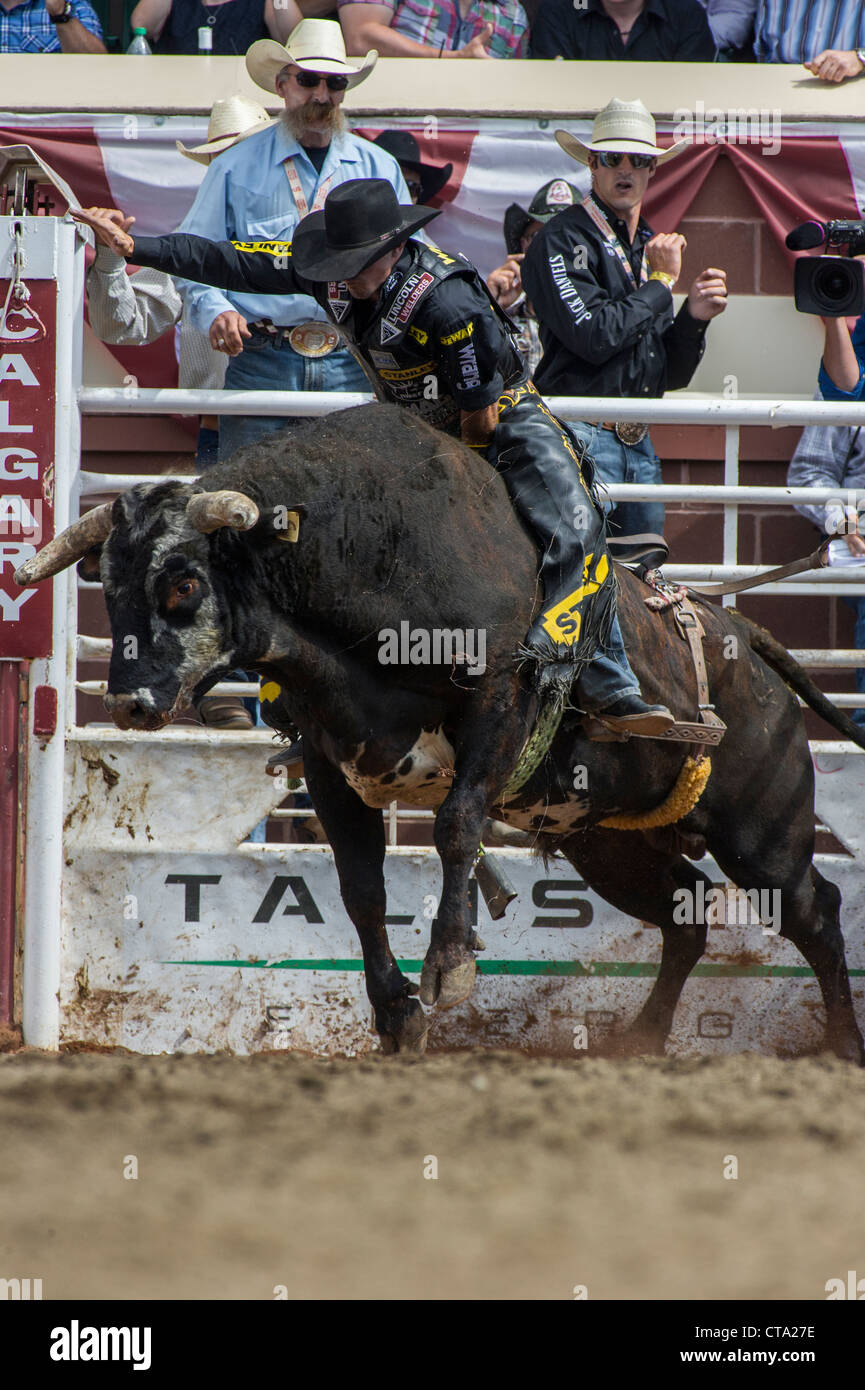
<point>297,191</point>
<point>606,230</point>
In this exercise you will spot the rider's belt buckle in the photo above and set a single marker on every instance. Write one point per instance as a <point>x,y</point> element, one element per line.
<point>630,431</point>
<point>313,339</point>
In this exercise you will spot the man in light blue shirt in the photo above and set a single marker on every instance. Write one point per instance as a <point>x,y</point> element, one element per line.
<point>258,192</point>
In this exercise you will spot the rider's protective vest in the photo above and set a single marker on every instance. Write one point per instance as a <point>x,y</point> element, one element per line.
<point>398,341</point>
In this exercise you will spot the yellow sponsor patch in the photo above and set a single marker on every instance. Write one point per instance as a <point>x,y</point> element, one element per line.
<point>408,373</point>
<point>437,251</point>
<point>270,248</point>
<point>270,691</point>
<point>563,622</point>
<point>418,334</point>
<point>459,335</point>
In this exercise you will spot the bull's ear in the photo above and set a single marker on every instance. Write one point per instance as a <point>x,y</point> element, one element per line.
<point>286,521</point>
<point>88,565</point>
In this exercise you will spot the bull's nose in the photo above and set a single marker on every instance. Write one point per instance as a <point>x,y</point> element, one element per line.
<point>128,712</point>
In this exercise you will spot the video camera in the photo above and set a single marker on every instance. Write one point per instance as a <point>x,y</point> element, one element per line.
<point>829,285</point>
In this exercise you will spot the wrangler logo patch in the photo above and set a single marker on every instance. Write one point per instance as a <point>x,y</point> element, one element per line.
<point>562,622</point>
<point>269,248</point>
<point>465,332</point>
<point>469,367</point>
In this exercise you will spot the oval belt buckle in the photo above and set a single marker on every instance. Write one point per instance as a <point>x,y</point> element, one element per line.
<point>313,339</point>
<point>631,432</point>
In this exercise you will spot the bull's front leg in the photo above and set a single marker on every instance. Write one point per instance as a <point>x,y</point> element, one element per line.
<point>490,744</point>
<point>356,835</point>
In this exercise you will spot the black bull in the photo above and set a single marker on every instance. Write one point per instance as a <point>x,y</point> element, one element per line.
<point>402,525</point>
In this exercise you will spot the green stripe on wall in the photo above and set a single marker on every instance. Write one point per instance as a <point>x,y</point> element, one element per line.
<point>630,969</point>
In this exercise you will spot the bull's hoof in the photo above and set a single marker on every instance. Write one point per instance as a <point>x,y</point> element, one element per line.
<point>447,977</point>
<point>635,1041</point>
<point>845,1044</point>
<point>403,1027</point>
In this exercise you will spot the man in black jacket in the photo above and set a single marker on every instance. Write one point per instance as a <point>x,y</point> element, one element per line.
<point>633,30</point>
<point>601,285</point>
<point>424,328</point>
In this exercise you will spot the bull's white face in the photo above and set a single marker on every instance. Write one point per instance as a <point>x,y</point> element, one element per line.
<point>169,627</point>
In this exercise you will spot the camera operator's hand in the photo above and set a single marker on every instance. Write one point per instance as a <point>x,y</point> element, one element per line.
<point>664,253</point>
<point>834,64</point>
<point>707,297</point>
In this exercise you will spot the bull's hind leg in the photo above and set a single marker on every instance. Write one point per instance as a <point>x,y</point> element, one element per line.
<point>810,918</point>
<point>623,868</point>
<point>356,834</point>
<point>809,915</point>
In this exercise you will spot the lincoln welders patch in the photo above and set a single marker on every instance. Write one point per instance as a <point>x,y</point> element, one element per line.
<point>413,288</point>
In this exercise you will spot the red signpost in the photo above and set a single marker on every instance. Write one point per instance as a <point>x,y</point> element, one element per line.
<point>27,425</point>
<point>26,467</point>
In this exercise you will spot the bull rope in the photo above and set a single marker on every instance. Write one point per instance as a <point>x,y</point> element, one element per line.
<point>689,787</point>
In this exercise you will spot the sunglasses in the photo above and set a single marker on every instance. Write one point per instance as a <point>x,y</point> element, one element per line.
<point>335,83</point>
<point>613,159</point>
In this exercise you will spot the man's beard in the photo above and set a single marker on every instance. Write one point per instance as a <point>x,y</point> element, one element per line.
<point>318,116</point>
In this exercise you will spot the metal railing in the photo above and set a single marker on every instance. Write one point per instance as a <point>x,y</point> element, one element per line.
<point>730,414</point>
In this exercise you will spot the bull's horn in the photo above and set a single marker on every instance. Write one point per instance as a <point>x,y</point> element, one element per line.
<point>66,548</point>
<point>207,511</point>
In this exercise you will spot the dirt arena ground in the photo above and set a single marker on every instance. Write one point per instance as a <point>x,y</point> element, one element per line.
<point>284,1170</point>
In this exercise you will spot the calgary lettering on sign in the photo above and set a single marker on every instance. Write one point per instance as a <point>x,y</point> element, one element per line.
<point>26,469</point>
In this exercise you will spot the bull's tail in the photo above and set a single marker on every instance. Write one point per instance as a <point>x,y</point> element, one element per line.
<point>777,656</point>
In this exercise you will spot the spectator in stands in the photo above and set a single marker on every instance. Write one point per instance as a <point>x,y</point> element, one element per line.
<point>505,283</point>
<point>732,26</point>
<point>435,28</point>
<point>602,287</point>
<point>173,25</point>
<point>423,181</point>
<point>636,30</point>
<point>834,456</point>
<point>132,310</point>
<point>828,39</point>
<point>259,191</point>
<point>49,26</point>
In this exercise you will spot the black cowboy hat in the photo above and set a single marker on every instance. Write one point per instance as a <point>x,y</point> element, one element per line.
<point>406,150</point>
<point>360,222</point>
<point>549,200</point>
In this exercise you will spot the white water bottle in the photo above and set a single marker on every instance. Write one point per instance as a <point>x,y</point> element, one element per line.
<point>139,42</point>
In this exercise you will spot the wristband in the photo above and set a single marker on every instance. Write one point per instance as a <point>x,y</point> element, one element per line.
<point>64,17</point>
<point>860,54</point>
<point>668,280</point>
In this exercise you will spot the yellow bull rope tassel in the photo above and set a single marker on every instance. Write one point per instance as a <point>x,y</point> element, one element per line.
<point>689,787</point>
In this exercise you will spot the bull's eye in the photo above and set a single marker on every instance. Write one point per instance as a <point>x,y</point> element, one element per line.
<point>183,589</point>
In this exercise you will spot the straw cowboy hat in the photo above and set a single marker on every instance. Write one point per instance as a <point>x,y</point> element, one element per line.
<point>626,126</point>
<point>314,44</point>
<point>360,222</point>
<point>232,119</point>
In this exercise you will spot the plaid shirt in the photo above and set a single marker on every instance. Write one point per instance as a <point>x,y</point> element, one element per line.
<point>795,31</point>
<point>438,24</point>
<point>828,456</point>
<point>27,28</point>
